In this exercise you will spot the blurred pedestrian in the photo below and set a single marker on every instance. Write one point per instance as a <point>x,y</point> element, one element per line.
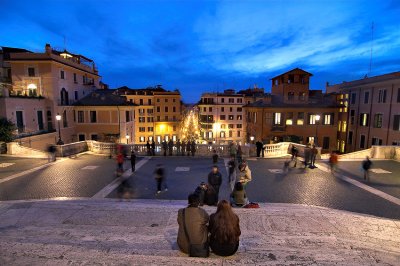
<point>170,147</point>
<point>51,152</point>
<point>120,163</point>
<point>193,147</point>
<point>153,148</point>
<point>215,180</point>
<point>313,156</point>
<point>148,148</point>
<point>188,148</point>
<point>294,151</point>
<point>159,175</point>
<point>178,147</point>
<point>164,147</point>
<point>215,157</point>
<point>231,169</point>
<point>232,149</point>
<point>307,155</point>
<point>259,147</point>
<point>183,148</point>
<point>239,154</point>
<point>366,165</point>
<point>133,160</point>
<point>333,161</point>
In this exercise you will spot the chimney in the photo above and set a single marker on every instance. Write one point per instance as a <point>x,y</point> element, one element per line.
<point>48,49</point>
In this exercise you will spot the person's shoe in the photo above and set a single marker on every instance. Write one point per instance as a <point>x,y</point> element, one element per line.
<point>166,189</point>
<point>158,192</point>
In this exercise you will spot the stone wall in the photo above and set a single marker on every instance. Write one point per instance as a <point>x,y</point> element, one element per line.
<point>14,148</point>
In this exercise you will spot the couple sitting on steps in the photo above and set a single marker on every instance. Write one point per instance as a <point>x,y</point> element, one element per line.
<point>199,232</point>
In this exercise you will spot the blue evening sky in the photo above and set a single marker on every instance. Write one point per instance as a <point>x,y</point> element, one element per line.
<point>200,46</point>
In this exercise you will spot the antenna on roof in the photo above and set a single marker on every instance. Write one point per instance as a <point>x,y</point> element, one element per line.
<point>371,49</point>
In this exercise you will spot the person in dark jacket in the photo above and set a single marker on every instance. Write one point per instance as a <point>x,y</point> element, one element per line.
<point>215,180</point>
<point>215,156</point>
<point>210,197</point>
<point>238,195</point>
<point>196,221</point>
<point>231,169</point>
<point>148,149</point>
<point>170,147</point>
<point>366,165</point>
<point>164,147</point>
<point>133,160</point>
<point>193,147</point>
<point>178,147</point>
<point>159,175</point>
<point>188,148</point>
<point>259,147</point>
<point>224,230</point>
<point>201,192</point>
<point>153,148</point>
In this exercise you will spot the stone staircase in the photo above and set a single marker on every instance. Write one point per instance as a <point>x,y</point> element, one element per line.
<point>143,232</point>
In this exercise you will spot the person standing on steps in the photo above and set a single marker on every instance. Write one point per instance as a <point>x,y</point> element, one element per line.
<point>215,180</point>
<point>366,165</point>
<point>159,175</point>
<point>259,147</point>
<point>224,230</point>
<point>133,161</point>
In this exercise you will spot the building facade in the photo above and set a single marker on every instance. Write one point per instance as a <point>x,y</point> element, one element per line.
<point>293,112</point>
<point>221,117</point>
<point>373,115</point>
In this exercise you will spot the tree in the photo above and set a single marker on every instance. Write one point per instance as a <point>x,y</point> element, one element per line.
<point>6,129</point>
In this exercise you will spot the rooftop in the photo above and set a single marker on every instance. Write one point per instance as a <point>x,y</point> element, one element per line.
<point>103,98</point>
<point>366,80</point>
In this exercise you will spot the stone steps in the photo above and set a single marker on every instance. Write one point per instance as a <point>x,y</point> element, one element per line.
<point>143,232</point>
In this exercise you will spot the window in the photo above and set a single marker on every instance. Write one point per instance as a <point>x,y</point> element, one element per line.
<point>210,109</point>
<point>31,71</point>
<point>350,138</point>
<point>353,98</point>
<point>230,126</point>
<point>150,119</point>
<point>352,116</point>
<point>166,100</point>
<point>94,137</point>
<point>222,109</point>
<point>239,126</point>
<point>325,143</point>
<point>239,100</point>
<point>328,119</point>
<point>204,109</point>
<point>222,117</point>
<point>76,95</point>
<point>239,109</point>
<point>174,100</point>
<point>93,117</point>
<point>158,109</point>
<point>64,118</point>
<point>62,74</point>
<point>231,100</point>
<point>376,141</point>
<point>142,139</point>
<point>302,96</point>
<point>142,129</point>
<point>74,112</point>
<point>366,97</point>
<point>290,96</point>
<point>222,100</point>
<point>81,117</point>
<point>158,118</point>
<point>230,134</point>
<point>158,100</point>
<point>140,101</point>
<point>312,119</point>
<point>75,81</point>
<point>174,109</point>
<point>40,120</point>
<point>382,96</point>
<point>239,117</point>
<point>289,118</point>
<point>300,119</point>
<point>230,117</point>
<point>149,111</point>
<point>238,134</point>
<point>150,129</point>
<point>344,126</point>
<point>81,137</point>
<point>166,109</point>
<point>166,118</point>
<point>230,109</point>
<point>362,141</point>
<point>364,120</point>
<point>396,122</point>
<point>378,120</point>
<point>127,116</point>
<point>149,101</point>
<point>222,134</point>
<point>173,128</point>
<point>223,126</point>
<point>277,118</point>
<point>142,119</point>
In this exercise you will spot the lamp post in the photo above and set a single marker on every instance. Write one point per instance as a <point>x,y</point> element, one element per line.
<point>127,138</point>
<point>58,118</point>
<point>317,118</point>
<point>252,139</point>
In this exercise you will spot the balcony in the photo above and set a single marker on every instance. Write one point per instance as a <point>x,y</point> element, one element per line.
<point>27,94</point>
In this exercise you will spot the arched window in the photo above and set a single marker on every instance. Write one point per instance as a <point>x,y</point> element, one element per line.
<point>64,97</point>
<point>32,89</point>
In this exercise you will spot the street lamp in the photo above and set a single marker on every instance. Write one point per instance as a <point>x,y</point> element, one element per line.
<point>317,118</point>
<point>58,118</point>
<point>127,138</point>
<point>252,139</point>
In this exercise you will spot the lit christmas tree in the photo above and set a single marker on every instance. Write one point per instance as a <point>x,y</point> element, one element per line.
<point>190,127</point>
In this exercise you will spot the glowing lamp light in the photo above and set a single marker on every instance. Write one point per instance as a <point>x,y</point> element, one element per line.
<point>58,117</point>
<point>317,117</point>
<point>127,136</point>
<point>252,138</point>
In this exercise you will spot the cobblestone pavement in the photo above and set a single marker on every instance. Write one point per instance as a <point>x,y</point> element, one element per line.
<point>310,186</point>
<point>12,165</point>
<point>143,232</point>
<point>82,176</point>
<point>384,174</point>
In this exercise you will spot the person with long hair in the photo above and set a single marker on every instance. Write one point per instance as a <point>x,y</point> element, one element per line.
<point>224,230</point>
